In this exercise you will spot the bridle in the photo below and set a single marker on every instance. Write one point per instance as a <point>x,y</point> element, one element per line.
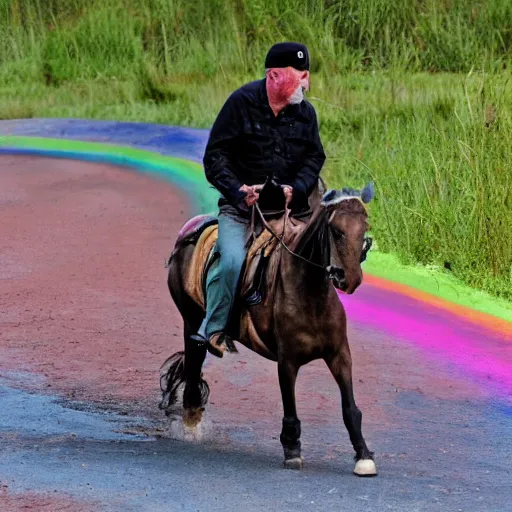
<point>330,271</point>
<point>280,239</point>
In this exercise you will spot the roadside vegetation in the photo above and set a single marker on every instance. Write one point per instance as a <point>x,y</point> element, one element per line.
<point>414,94</point>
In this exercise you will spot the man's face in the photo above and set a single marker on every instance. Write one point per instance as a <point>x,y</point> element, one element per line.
<point>285,82</point>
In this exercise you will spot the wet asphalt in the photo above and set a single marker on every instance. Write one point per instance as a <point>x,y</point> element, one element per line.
<point>454,456</point>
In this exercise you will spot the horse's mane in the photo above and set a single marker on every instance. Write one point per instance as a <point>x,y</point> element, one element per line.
<point>313,243</point>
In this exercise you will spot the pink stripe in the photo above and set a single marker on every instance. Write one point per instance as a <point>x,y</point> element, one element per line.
<point>478,352</point>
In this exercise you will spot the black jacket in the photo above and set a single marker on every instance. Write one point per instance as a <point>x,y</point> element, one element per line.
<point>249,144</point>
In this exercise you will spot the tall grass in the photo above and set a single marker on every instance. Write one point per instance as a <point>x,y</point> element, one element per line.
<point>414,94</point>
<point>89,37</point>
<point>438,148</point>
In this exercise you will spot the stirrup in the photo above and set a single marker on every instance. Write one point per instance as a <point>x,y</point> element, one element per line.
<point>215,345</point>
<point>200,340</point>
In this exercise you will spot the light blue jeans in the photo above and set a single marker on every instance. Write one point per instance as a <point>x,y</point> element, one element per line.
<point>224,274</point>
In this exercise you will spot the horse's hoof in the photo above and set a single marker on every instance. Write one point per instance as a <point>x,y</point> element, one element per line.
<point>192,417</point>
<point>365,467</point>
<point>294,463</point>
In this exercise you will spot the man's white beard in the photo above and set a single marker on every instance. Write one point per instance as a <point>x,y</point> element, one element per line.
<point>297,96</point>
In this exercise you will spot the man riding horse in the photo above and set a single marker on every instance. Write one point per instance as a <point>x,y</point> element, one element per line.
<point>266,131</point>
<point>266,134</point>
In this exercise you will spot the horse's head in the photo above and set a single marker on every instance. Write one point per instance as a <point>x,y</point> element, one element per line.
<point>347,223</point>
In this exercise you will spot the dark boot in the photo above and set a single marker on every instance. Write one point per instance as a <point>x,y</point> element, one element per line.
<point>215,345</point>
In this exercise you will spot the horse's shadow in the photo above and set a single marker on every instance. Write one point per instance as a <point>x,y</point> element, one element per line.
<point>209,442</point>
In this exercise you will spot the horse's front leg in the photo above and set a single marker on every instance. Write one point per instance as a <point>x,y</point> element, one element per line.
<point>290,434</point>
<point>340,364</point>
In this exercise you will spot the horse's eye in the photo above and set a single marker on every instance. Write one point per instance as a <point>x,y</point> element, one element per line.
<point>338,235</point>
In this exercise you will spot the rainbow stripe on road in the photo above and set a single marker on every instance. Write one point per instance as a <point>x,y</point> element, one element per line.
<point>444,319</point>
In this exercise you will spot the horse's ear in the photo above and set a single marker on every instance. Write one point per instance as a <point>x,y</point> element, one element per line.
<point>330,197</point>
<point>368,193</point>
<point>333,197</point>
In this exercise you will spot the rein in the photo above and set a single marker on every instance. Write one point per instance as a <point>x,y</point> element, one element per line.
<point>329,270</point>
<point>281,239</point>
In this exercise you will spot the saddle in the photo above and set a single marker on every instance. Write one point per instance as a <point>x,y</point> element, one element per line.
<point>260,268</point>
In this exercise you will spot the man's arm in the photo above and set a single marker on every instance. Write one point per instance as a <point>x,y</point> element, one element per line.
<point>219,150</point>
<point>314,158</point>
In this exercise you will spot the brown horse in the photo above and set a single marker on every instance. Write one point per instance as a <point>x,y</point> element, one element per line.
<point>304,321</point>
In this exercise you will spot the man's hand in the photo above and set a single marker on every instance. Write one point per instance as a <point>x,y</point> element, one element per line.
<point>252,194</point>
<point>288,194</point>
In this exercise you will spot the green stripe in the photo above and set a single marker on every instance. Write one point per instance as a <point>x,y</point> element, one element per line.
<point>438,283</point>
<point>186,174</point>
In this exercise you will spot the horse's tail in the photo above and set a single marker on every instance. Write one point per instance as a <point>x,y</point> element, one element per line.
<point>172,376</point>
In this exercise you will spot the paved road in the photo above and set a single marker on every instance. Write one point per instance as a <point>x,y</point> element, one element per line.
<point>86,321</point>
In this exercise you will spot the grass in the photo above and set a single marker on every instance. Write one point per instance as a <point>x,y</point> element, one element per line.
<point>412,94</point>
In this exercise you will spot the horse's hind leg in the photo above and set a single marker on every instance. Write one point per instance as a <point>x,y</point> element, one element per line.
<point>197,391</point>
<point>185,367</point>
<point>290,434</point>
<point>340,365</point>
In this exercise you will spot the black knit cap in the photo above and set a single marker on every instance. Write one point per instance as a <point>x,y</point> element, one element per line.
<point>282,55</point>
